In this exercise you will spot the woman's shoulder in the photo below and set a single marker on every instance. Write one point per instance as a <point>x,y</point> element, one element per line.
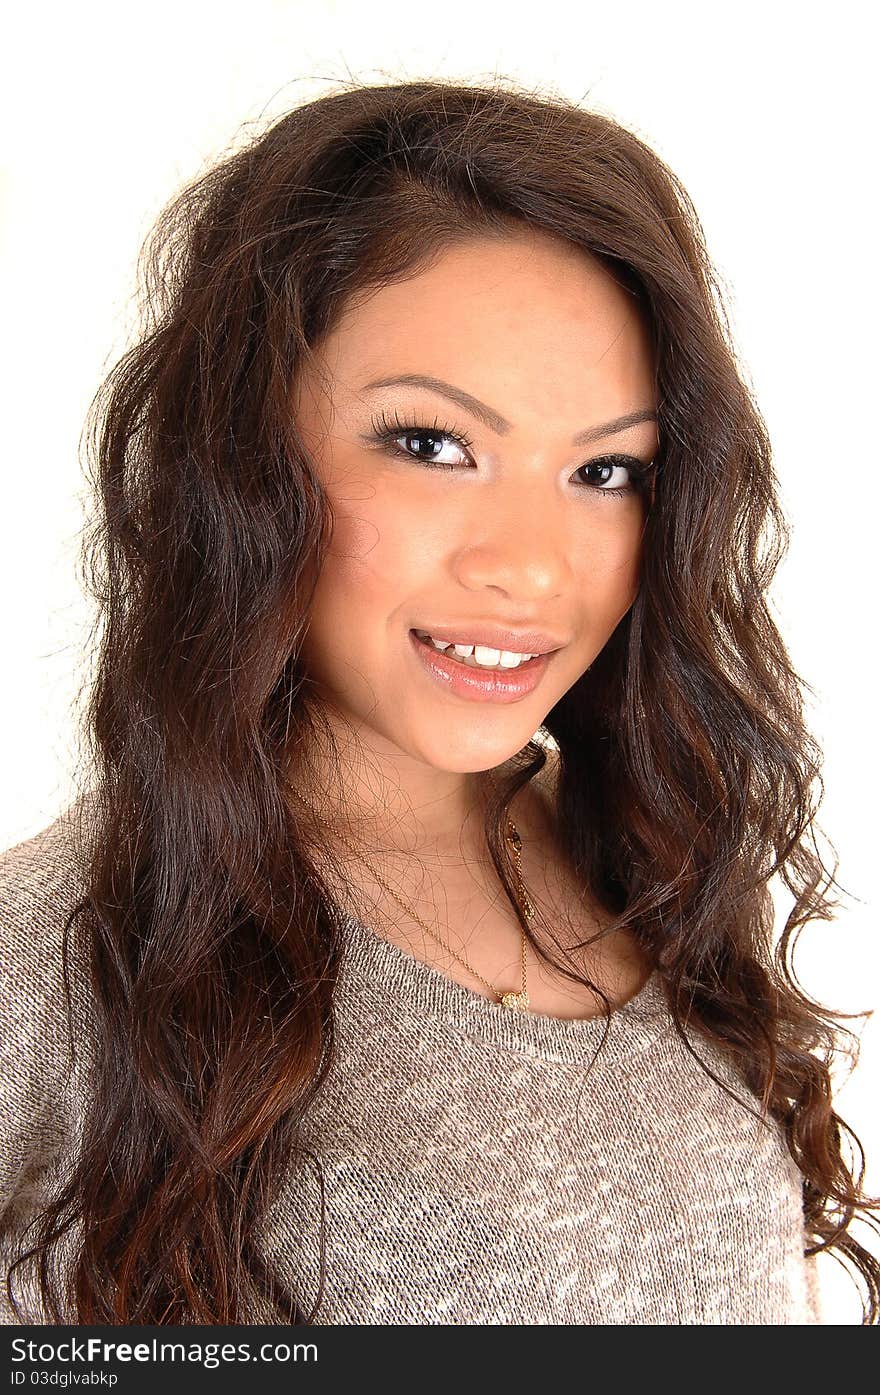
<point>43,1046</point>
<point>40,884</point>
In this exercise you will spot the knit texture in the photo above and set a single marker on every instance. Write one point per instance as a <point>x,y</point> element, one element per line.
<point>480,1166</point>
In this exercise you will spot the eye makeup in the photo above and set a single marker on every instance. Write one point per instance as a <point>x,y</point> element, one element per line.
<point>386,433</point>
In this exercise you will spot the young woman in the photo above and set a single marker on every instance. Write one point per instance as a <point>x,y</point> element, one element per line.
<point>409,956</point>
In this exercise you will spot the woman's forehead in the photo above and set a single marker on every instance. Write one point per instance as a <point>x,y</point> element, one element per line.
<point>530,329</point>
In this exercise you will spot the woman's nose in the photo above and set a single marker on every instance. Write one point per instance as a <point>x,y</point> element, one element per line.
<point>522,551</point>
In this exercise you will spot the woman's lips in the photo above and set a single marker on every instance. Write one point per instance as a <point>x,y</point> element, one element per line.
<point>480,684</point>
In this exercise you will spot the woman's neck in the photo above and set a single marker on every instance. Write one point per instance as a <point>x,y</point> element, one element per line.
<point>374,813</point>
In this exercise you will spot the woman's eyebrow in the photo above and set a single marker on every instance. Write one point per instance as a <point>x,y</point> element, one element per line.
<point>494,420</point>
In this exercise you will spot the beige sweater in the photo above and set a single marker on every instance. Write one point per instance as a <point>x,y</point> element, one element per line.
<point>475,1173</point>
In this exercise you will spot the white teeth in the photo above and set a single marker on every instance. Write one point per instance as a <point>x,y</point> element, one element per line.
<point>485,657</point>
<point>497,658</point>
<point>479,655</point>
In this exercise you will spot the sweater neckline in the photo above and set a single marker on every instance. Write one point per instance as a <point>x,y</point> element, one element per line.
<point>418,990</point>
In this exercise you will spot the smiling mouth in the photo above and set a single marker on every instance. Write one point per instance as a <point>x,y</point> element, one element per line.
<point>468,660</point>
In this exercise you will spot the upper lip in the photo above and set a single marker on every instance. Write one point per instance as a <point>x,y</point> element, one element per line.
<point>514,641</point>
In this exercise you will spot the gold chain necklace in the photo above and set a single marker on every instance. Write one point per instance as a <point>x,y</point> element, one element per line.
<point>519,1001</point>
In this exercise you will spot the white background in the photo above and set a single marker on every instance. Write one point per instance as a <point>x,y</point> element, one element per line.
<point>766,113</point>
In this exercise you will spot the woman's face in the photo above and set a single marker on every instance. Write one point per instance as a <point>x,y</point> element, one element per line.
<point>530,345</point>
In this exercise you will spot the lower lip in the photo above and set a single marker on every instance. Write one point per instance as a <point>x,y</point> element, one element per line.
<point>481,685</point>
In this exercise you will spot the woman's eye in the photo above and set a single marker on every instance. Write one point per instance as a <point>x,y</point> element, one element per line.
<point>443,447</point>
<point>611,475</point>
<point>440,445</point>
<point>440,448</point>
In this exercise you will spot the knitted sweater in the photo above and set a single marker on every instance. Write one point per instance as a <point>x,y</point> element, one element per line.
<point>476,1170</point>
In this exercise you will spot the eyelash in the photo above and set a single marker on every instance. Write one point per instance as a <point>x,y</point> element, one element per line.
<point>385,433</point>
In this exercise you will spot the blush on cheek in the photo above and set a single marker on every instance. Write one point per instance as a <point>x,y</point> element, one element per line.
<point>354,536</point>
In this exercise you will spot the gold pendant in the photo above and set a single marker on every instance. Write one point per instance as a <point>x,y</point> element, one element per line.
<point>518,1001</point>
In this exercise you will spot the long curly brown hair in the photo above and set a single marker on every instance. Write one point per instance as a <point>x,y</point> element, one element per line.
<point>687,778</point>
